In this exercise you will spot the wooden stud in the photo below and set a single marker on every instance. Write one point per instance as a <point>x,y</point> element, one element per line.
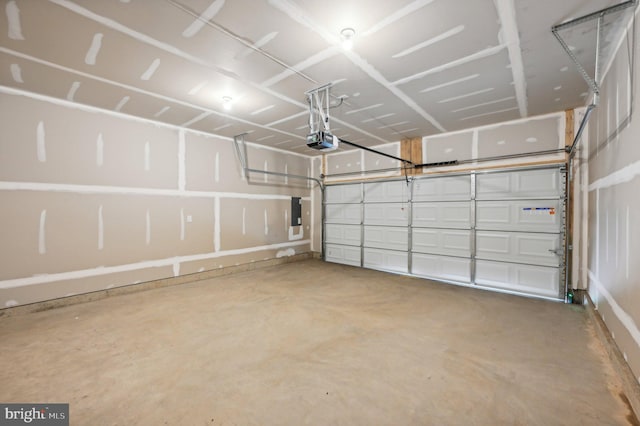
<point>569,129</point>
<point>416,153</point>
<point>405,153</point>
<point>568,140</point>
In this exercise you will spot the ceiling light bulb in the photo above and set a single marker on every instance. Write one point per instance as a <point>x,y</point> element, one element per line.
<point>347,35</point>
<point>226,102</point>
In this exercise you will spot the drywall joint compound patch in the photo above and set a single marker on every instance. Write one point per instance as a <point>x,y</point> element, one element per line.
<point>40,143</point>
<point>13,18</point>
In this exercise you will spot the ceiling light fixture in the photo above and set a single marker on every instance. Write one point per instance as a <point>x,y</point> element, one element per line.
<point>226,102</point>
<point>346,35</point>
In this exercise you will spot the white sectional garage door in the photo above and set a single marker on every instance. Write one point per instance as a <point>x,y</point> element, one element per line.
<point>343,224</point>
<point>502,230</point>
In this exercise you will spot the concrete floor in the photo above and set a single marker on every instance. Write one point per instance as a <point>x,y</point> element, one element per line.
<point>313,343</point>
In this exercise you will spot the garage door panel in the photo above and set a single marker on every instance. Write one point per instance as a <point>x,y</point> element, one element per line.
<point>449,188</point>
<point>521,215</point>
<point>343,234</point>
<point>386,237</point>
<point>517,219</point>
<point>343,213</point>
<point>343,194</point>
<point>346,255</point>
<point>537,280</point>
<point>455,214</point>
<point>386,192</point>
<point>518,247</point>
<point>442,241</point>
<point>389,214</point>
<point>441,267</point>
<point>386,260</point>
<point>519,184</point>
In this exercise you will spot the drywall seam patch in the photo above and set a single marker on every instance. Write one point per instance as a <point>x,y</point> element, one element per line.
<point>286,253</point>
<point>474,145</point>
<point>398,14</point>
<point>466,95</point>
<point>13,19</point>
<point>176,269</point>
<point>42,246</point>
<point>507,16</point>
<point>488,113</point>
<point>106,270</point>
<point>625,319</point>
<point>40,143</point>
<point>224,126</point>
<point>195,89</point>
<point>72,90</point>
<point>16,73</point>
<point>217,168</point>
<point>286,171</point>
<point>216,224</point>
<point>182,230</point>
<point>147,238</point>
<point>282,120</point>
<point>100,229</point>
<point>195,119</point>
<point>497,101</point>
<point>623,175</point>
<point>162,111</point>
<point>244,221</point>
<point>98,189</point>
<point>266,223</point>
<point>122,103</point>
<point>257,45</point>
<point>147,156</point>
<point>94,49</point>
<point>353,111</point>
<point>182,177</point>
<point>433,40</point>
<point>261,110</point>
<point>202,20</point>
<point>314,59</point>
<point>151,70</point>
<point>99,150</point>
<point>286,221</point>
<point>450,83</point>
<point>490,51</point>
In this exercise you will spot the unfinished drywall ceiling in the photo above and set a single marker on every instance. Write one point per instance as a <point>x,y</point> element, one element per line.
<point>417,67</point>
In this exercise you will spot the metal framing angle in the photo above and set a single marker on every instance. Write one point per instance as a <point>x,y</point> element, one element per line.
<point>319,106</point>
<point>599,15</point>
<point>241,151</point>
